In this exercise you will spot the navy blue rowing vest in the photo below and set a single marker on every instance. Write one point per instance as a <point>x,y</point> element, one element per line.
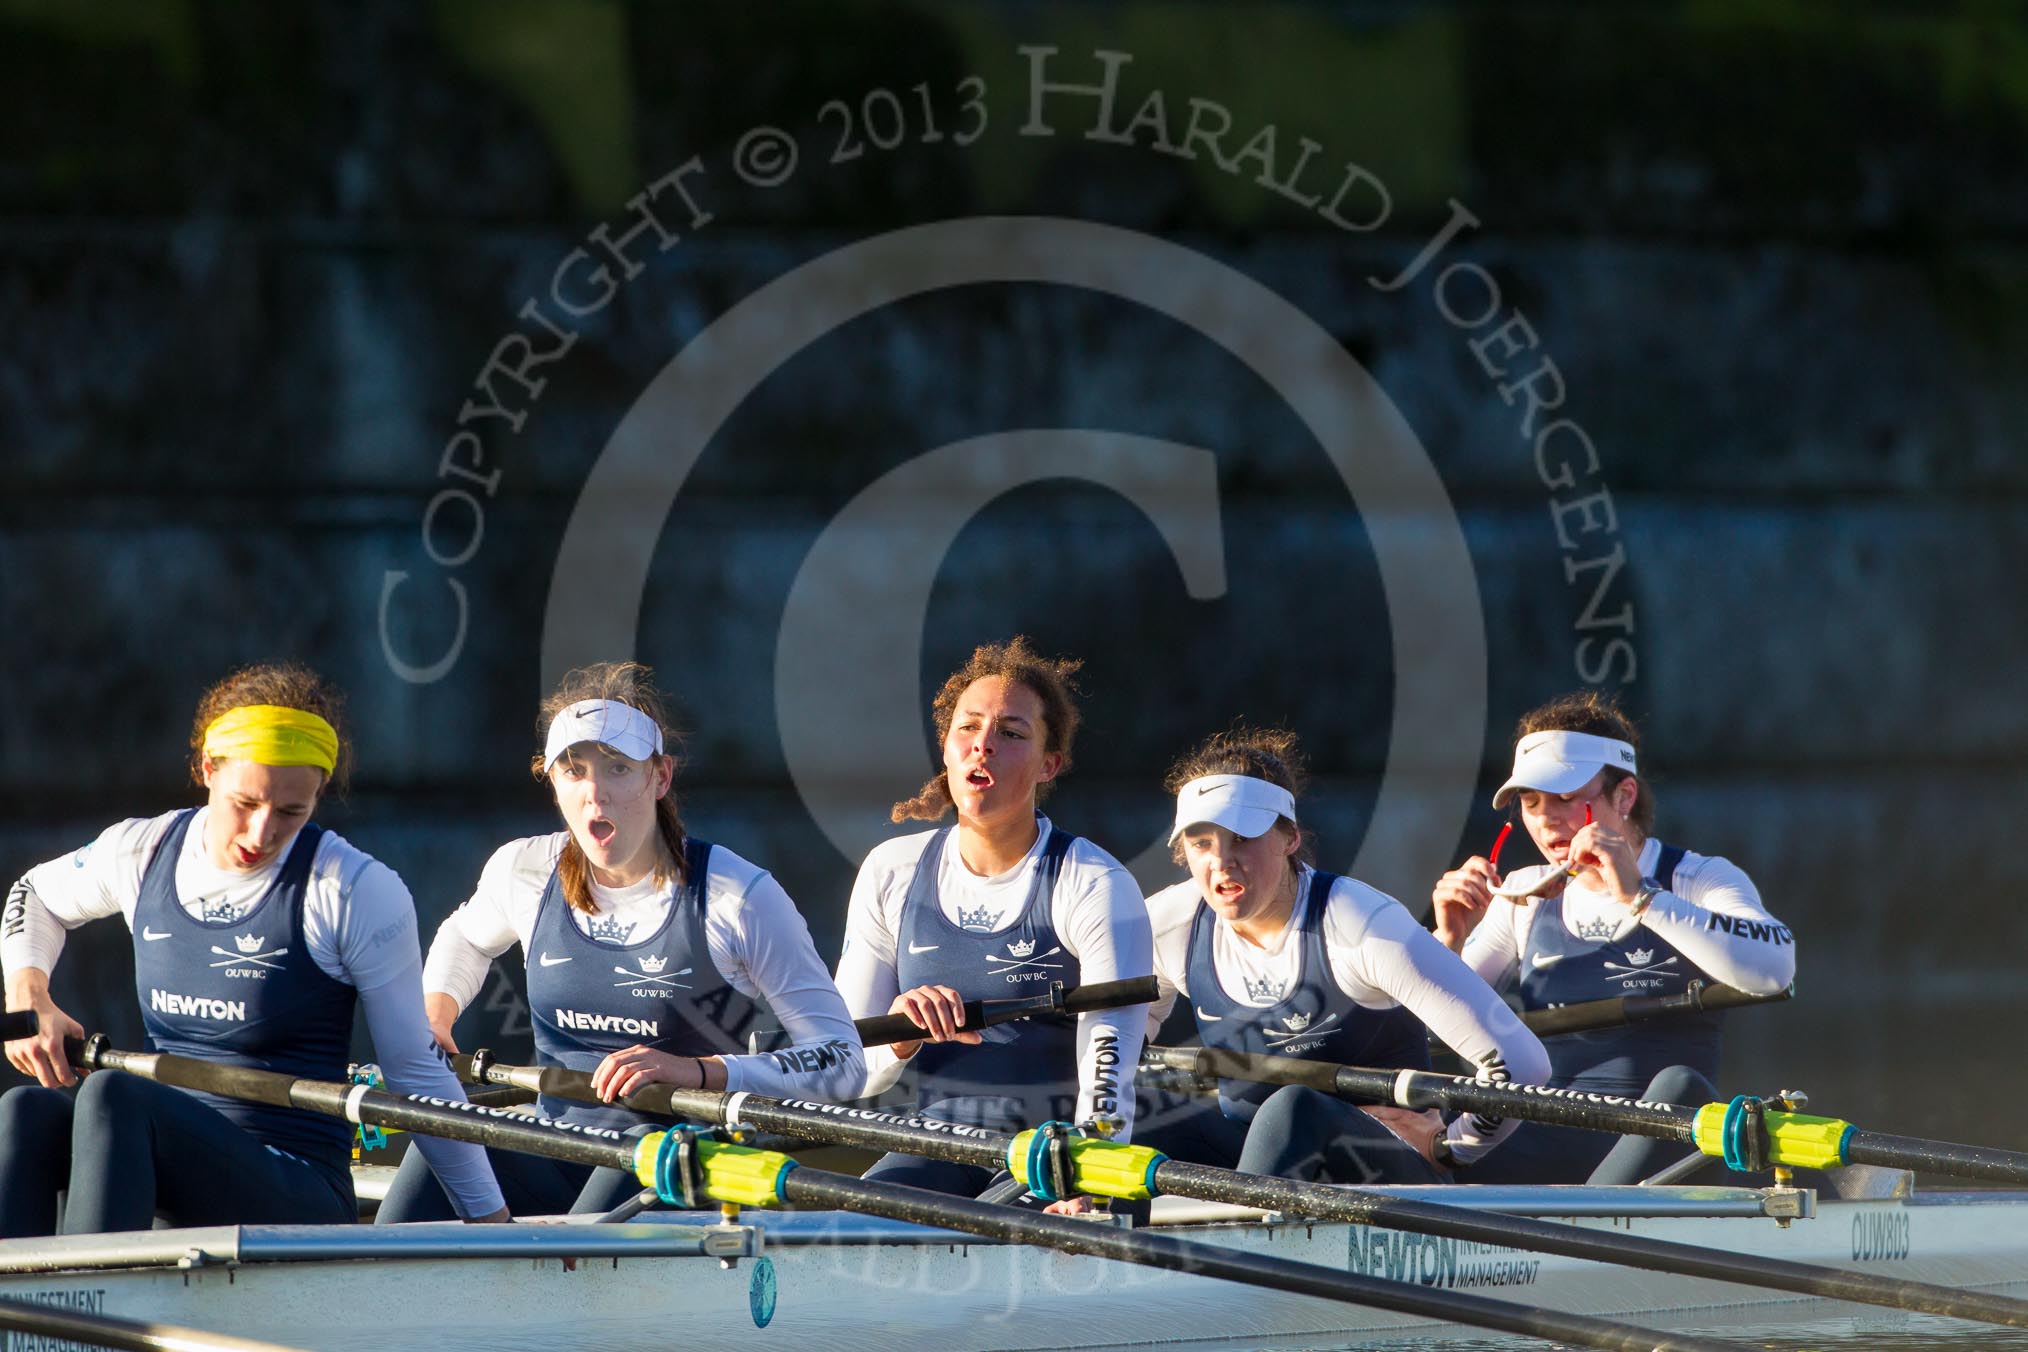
<point>1559,968</point>
<point>247,992</point>
<point>1032,1061</point>
<point>589,998</point>
<point>1314,1019</point>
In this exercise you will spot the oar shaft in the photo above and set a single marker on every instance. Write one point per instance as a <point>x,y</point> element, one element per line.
<point>1942,1157</point>
<point>1424,1089</point>
<point>1596,1014</point>
<point>875,1130</point>
<point>809,1187</point>
<point>49,1324</point>
<point>481,1125</point>
<point>882,1029</point>
<point>1570,1108</point>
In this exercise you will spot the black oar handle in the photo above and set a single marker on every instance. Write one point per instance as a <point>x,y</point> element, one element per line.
<point>882,1029</point>
<point>16,1024</point>
<point>559,1082</point>
<point>1592,1015</point>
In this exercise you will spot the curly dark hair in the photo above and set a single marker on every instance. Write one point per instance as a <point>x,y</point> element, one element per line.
<point>1050,680</point>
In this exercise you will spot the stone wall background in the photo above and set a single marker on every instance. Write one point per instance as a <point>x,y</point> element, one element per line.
<point>252,258</point>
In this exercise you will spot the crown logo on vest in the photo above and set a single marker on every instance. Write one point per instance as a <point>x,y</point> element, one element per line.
<point>981,919</point>
<point>220,909</point>
<point>248,943</point>
<point>651,964</point>
<point>1298,1022</point>
<point>1641,957</point>
<point>1267,988</point>
<point>1021,948</point>
<point>608,930</point>
<point>1601,928</point>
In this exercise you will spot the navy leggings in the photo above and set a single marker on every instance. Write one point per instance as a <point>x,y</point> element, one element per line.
<point>1536,1153</point>
<point>1297,1133</point>
<point>532,1185</point>
<point>126,1148</point>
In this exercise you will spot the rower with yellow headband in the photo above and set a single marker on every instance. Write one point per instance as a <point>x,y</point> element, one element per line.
<point>256,936</point>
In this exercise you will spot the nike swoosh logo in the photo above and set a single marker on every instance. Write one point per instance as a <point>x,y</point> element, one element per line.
<point>151,935</point>
<point>923,948</point>
<point>1209,1018</point>
<point>1548,959</point>
<point>548,961</point>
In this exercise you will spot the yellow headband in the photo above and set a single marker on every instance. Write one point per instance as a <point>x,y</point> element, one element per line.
<point>273,734</point>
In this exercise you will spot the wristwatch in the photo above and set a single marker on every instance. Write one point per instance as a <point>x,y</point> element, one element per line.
<point>1642,898</point>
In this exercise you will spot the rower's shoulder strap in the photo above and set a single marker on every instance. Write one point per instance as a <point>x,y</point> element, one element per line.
<point>1665,866</point>
<point>696,870</point>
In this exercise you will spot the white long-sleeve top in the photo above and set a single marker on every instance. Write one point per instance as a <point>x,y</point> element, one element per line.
<point>756,936</point>
<point>358,922</point>
<point>1381,958</point>
<point>1712,913</point>
<point>1096,911</point>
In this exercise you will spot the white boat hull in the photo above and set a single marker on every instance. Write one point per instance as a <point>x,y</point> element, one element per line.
<point>847,1283</point>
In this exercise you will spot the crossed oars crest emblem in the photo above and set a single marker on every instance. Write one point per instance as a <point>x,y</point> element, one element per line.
<point>1021,948</point>
<point>650,974</point>
<point>249,946</point>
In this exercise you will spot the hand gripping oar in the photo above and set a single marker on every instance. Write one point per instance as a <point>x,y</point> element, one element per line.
<point>1749,1134</point>
<point>877,1031</point>
<point>1106,1169</point>
<point>882,1029</point>
<point>689,1165</point>
<point>1622,1010</point>
<point>50,1326</point>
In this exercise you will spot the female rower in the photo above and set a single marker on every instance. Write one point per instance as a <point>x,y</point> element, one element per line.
<point>646,948</point>
<point>996,907</point>
<point>256,933</point>
<point>1614,912</point>
<point>1279,958</point>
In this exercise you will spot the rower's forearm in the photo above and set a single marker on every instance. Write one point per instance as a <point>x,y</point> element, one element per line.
<point>27,988</point>
<point>441,1009</point>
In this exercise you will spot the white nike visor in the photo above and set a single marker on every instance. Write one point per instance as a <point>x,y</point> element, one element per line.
<point>1243,805</point>
<point>1558,762</point>
<point>608,722</point>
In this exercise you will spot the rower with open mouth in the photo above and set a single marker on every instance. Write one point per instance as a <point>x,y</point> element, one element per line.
<point>1614,912</point>
<point>649,952</point>
<point>256,934</point>
<point>1003,904</point>
<point>1278,957</point>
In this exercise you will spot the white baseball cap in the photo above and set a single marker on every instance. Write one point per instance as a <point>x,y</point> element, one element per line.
<point>609,723</point>
<point>1243,805</point>
<point>1558,761</point>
